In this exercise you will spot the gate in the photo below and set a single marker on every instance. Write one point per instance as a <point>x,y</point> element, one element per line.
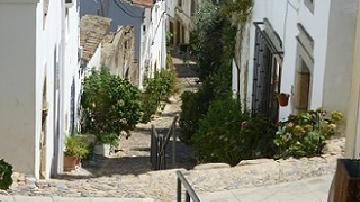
<point>159,142</point>
<point>266,77</point>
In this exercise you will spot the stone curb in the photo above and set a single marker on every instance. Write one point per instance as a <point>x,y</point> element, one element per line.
<point>70,199</point>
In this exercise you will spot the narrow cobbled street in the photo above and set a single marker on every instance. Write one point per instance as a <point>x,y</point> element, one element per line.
<point>128,173</point>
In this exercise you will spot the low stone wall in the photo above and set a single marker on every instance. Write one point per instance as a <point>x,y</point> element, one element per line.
<point>260,172</point>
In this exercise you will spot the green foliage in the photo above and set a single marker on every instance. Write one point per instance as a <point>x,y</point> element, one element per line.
<point>213,44</point>
<point>226,134</point>
<point>5,175</point>
<point>190,115</point>
<point>77,146</point>
<point>157,91</point>
<point>169,61</point>
<point>108,138</point>
<point>304,134</point>
<point>239,10</point>
<point>110,104</point>
<point>210,118</point>
<point>168,36</point>
<point>209,52</point>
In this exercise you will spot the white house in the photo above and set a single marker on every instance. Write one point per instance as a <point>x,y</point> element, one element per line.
<point>181,22</point>
<point>39,82</point>
<point>156,38</point>
<point>302,48</point>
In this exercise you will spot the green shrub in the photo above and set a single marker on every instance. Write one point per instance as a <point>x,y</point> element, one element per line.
<point>110,105</point>
<point>77,146</point>
<point>190,115</point>
<point>304,134</point>
<point>157,91</point>
<point>195,105</point>
<point>5,175</point>
<point>169,61</point>
<point>227,135</point>
<point>108,138</point>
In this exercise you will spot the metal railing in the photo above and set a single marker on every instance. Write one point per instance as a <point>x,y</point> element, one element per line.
<point>158,146</point>
<point>189,191</point>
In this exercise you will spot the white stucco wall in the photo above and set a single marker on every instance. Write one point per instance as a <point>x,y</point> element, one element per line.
<point>95,61</point>
<point>48,41</point>
<point>341,35</point>
<point>157,36</point>
<point>352,131</point>
<point>284,15</point>
<point>17,83</point>
<point>32,48</point>
<point>72,65</point>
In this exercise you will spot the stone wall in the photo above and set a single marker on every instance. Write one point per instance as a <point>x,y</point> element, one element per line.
<point>118,54</point>
<point>92,31</point>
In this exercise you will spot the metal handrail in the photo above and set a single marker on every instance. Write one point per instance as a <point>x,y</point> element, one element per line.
<point>190,193</point>
<point>158,146</point>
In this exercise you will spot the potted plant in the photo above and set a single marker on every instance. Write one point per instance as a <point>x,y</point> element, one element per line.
<point>76,148</point>
<point>104,144</point>
<point>283,99</point>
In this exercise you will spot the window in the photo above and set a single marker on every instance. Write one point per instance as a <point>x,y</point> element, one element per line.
<point>310,5</point>
<point>180,3</point>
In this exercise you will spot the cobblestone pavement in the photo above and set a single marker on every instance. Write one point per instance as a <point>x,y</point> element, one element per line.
<point>128,174</point>
<point>207,178</point>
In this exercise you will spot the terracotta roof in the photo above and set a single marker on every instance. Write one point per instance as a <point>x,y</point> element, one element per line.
<point>146,3</point>
<point>93,29</point>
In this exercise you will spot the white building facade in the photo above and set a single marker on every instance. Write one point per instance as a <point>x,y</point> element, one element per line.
<point>180,24</point>
<point>40,83</point>
<point>156,38</point>
<point>302,48</point>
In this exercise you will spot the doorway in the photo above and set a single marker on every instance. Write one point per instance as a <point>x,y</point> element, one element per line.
<point>302,87</point>
<point>43,133</point>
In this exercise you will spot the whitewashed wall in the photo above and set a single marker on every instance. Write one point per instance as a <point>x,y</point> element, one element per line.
<point>95,61</point>
<point>17,83</point>
<point>71,64</point>
<point>48,44</point>
<point>157,37</point>
<point>32,46</point>
<point>284,15</point>
<point>341,39</point>
<point>56,45</point>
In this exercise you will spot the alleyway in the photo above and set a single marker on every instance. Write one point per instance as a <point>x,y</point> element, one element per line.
<point>128,174</point>
<point>133,157</point>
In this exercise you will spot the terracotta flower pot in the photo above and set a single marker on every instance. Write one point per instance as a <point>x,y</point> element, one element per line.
<point>283,99</point>
<point>69,163</point>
